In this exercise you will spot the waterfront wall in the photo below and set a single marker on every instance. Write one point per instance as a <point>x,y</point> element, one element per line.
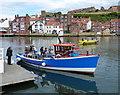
<point>90,34</point>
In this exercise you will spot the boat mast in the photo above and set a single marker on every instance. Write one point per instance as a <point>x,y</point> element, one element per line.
<point>58,37</point>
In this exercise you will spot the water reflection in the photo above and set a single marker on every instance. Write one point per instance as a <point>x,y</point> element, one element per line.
<point>90,48</point>
<point>17,88</point>
<point>61,82</point>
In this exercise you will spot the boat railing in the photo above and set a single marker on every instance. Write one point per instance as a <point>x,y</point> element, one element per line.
<point>66,54</point>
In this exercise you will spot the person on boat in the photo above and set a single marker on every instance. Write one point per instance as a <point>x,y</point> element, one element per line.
<point>85,39</point>
<point>49,49</point>
<point>51,53</point>
<point>34,49</point>
<point>41,50</point>
<point>82,39</point>
<point>45,52</point>
<point>27,49</point>
<point>31,48</point>
<point>9,54</point>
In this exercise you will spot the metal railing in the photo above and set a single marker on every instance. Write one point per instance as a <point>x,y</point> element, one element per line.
<point>1,60</point>
<point>1,53</point>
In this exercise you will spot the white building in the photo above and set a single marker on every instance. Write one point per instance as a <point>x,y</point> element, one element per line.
<point>52,27</point>
<point>37,26</point>
<point>49,27</point>
<point>89,23</point>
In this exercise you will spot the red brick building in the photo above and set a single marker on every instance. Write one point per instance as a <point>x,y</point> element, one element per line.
<point>115,25</point>
<point>20,24</point>
<point>96,26</point>
<point>107,25</point>
<point>65,21</point>
<point>80,25</point>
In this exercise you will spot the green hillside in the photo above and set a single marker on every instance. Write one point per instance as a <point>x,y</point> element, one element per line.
<point>99,16</point>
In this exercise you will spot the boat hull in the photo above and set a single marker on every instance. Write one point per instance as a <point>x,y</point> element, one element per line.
<point>88,42</point>
<point>86,64</point>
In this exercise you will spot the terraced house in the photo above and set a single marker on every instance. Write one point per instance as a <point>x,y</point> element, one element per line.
<point>23,24</point>
<point>20,24</point>
<point>115,25</point>
<point>48,22</point>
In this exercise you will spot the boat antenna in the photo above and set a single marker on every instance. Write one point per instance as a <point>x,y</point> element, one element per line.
<point>58,37</point>
<point>30,27</point>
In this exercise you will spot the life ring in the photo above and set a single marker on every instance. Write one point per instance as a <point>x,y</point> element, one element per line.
<point>43,64</point>
<point>19,59</point>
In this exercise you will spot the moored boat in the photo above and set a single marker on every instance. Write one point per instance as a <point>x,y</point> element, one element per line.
<point>87,42</point>
<point>65,59</point>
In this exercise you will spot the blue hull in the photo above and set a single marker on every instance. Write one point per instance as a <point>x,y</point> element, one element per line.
<point>79,64</point>
<point>85,62</point>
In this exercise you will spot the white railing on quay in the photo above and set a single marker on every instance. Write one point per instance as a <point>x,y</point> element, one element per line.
<point>1,60</point>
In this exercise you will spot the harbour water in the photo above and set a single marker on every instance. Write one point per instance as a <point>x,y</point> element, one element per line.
<point>105,79</point>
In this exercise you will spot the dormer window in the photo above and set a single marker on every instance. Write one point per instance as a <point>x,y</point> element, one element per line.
<point>17,19</point>
<point>22,19</point>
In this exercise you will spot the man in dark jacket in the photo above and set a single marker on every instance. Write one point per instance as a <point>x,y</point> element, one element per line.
<point>9,54</point>
<point>41,50</point>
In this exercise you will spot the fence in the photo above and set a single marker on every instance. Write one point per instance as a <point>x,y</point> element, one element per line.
<point>1,60</point>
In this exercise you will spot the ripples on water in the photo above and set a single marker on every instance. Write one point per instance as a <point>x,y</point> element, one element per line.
<point>105,79</point>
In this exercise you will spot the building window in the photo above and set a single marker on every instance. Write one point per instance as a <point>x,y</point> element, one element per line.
<point>36,26</point>
<point>22,23</point>
<point>72,16</point>
<point>65,20</point>
<point>17,19</point>
<point>22,28</point>
<point>14,24</point>
<point>61,16</point>
<point>22,19</point>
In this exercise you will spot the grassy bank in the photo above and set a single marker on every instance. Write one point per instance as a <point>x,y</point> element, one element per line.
<point>99,16</point>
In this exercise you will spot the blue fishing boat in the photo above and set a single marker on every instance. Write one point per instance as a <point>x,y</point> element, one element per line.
<point>65,59</point>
